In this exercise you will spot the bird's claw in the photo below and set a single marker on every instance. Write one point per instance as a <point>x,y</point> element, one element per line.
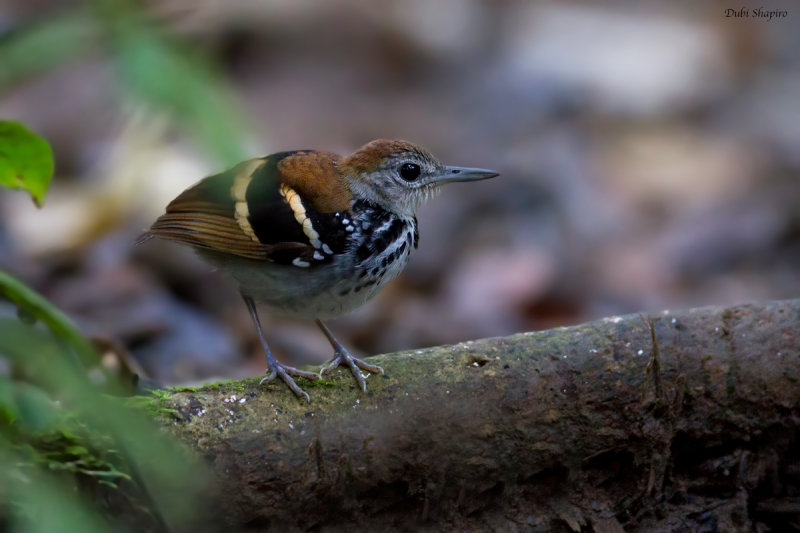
<point>269,377</point>
<point>343,357</point>
<point>286,372</point>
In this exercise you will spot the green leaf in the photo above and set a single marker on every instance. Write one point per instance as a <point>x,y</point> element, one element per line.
<point>26,161</point>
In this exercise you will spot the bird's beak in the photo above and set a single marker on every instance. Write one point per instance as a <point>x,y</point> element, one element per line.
<point>454,174</point>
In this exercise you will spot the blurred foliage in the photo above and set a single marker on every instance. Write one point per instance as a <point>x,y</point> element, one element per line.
<point>74,454</point>
<point>150,67</point>
<point>26,161</point>
<point>38,48</point>
<point>81,454</point>
<point>68,448</point>
<point>32,306</point>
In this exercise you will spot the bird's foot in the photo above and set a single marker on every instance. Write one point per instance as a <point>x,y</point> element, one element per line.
<point>343,357</point>
<point>286,372</point>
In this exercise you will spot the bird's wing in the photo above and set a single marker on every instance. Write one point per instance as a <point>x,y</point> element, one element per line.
<point>255,211</point>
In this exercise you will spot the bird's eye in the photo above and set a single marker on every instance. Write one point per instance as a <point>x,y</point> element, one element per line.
<point>409,171</point>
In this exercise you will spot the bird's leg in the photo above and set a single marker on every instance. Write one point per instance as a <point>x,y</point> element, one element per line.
<point>342,356</point>
<point>275,367</point>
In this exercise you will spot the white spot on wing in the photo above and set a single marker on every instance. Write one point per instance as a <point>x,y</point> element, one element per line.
<point>327,249</point>
<point>300,263</point>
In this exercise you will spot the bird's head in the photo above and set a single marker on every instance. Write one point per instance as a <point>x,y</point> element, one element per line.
<point>400,176</point>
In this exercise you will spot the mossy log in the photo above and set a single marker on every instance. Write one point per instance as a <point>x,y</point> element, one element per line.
<point>635,423</point>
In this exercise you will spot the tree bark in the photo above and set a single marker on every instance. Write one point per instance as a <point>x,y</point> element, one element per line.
<point>628,423</point>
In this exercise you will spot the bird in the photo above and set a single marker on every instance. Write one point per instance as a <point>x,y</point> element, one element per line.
<point>311,234</point>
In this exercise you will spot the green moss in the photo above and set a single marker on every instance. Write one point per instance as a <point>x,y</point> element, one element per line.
<point>322,382</point>
<point>68,446</point>
<point>185,388</point>
<point>233,385</point>
<point>160,394</point>
<point>86,455</point>
<point>242,385</point>
<point>154,404</point>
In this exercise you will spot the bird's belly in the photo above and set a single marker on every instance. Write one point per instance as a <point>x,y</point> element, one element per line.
<point>322,292</point>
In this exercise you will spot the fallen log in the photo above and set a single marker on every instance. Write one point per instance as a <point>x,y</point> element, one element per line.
<point>629,423</point>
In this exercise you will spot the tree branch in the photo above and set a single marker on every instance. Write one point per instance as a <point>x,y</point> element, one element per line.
<point>627,421</point>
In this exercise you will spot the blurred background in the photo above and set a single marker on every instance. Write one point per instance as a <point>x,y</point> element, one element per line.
<point>650,159</point>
